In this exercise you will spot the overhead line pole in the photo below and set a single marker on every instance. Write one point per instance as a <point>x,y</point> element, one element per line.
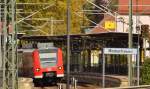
<point>130,39</point>
<point>0,39</point>
<point>9,45</point>
<point>138,46</point>
<point>4,43</point>
<point>68,42</point>
<point>14,46</point>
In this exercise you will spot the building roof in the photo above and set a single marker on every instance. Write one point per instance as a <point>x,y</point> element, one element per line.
<point>139,6</point>
<point>98,29</point>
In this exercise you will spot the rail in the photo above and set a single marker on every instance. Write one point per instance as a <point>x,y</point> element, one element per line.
<point>131,87</point>
<point>96,78</point>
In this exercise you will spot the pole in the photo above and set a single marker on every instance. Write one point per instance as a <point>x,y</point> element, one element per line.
<point>130,43</point>
<point>14,45</point>
<point>68,43</point>
<point>103,74</point>
<point>138,64</point>
<point>4,45</point>
<point>138,46</point>
<point>0,39</point>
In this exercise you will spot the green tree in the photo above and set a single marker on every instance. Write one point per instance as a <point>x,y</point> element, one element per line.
<point>145,73</point>
<point>112,5</point>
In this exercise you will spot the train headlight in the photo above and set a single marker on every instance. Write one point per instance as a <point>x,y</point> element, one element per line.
<point>37,69</point>
<point>59,67</point>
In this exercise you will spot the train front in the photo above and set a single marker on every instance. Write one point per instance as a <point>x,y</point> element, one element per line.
<point>48,64</point>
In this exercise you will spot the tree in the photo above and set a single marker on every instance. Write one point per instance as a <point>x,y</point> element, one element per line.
<point>145,32</point>
<point>112,5</point>
<point>145,73</point>
<point>57,11</point>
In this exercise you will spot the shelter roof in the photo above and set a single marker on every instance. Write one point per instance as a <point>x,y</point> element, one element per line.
<point>104,35</point>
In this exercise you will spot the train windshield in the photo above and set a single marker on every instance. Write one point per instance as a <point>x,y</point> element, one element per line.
<point>48,59</point>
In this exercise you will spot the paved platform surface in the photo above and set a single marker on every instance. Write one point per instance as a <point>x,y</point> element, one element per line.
<point>26,83</point>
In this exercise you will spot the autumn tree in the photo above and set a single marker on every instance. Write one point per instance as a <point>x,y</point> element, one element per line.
<point>57,11</point>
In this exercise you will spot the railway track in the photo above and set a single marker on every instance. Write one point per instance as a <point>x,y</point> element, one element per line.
<point>85,86</point>
<point>88,80</point>
<point>87,77</point>
<point>96,79</point>
<point>45,87</point>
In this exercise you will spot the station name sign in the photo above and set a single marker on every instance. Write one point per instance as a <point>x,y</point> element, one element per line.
<point>131,51</point>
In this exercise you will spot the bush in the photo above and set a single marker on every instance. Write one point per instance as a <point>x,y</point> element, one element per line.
<point>145,72</point>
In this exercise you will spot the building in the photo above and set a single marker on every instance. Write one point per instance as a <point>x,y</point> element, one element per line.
<point>141,12</point>
<point>120,21</point>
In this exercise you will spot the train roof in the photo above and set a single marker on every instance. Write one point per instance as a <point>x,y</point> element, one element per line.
<point>32,49</point>
<point>48,48</point>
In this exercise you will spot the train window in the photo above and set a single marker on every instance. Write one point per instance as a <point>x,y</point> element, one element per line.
<point>48,59</point>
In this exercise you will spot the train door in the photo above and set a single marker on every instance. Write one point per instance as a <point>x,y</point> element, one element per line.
<point>27,63</point>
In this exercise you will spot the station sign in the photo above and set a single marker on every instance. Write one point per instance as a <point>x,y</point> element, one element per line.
<point>131,51</point>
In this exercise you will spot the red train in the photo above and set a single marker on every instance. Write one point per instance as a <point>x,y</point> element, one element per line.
<point>42,64</point>
<point>47,65</point>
